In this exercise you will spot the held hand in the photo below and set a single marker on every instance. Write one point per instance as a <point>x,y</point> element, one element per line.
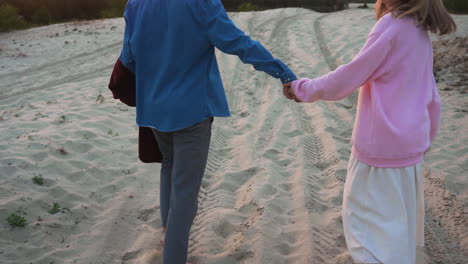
<point>287,91</point>
<point>297,99</point>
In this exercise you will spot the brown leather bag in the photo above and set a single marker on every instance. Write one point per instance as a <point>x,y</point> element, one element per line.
<point>123,87</point>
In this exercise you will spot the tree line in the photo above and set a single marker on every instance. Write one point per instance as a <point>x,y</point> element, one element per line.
<point>18,14</point>
<point>317,5</point>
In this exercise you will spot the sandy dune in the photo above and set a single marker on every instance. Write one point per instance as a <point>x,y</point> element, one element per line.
<point>272,191</point>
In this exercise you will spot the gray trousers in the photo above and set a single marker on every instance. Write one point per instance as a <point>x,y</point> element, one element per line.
<point>185,153</point>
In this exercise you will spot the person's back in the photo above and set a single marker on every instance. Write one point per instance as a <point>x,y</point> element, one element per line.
<point>168,45</point>
<point>393,125</point>
<point>172,43</point>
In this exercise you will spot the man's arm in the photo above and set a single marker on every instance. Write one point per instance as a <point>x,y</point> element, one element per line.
<point>225,36</point>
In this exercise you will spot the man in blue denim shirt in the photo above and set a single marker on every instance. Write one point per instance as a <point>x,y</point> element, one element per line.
<point>170,46</point>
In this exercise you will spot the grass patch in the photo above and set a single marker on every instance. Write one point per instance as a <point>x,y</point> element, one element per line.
<point>247,7</point>
<point>63,119</point>
<point>55,208</point>
<point>112,133</point>
<point>100,99</point>
<point>16,220</point>
<point>38,179</point>
<point>10,18</point>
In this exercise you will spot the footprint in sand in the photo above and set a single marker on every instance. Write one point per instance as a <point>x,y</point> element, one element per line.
<point>344,258</point>
<point>269,191</point>
<point>239,178</point>
<point>244,114</point>
<point>294,133</point>
<point>145,214</point>
<point>225,228</point>
<point>341,175</point>
<point>284,249</point>
<point>275,156</point>
<point>240,255</point>
<point>130,255</point>
<point>153,256</point>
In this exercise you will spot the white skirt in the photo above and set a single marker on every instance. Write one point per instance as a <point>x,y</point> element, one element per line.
<point>383,213</point>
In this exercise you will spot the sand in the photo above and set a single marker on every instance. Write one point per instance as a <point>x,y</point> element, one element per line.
<point>272,192</point>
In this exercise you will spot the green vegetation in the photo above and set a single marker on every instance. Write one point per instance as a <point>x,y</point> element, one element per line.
<point>457,6</point>
<point>20,14</point>
<point>62,119</point>
<point>100,99</point>
<point>317,5</point>
<point>55,208</point>
<point>16,220</point>
<point>454,6</point>
<point>112,133</point>
<point>247,7</point>
<point>38,179</point>
<point>42,16</point>
<point>10,18</point>
<point>114,9</point>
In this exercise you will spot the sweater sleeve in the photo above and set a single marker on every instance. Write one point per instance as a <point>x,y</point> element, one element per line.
<point>434,113</point>
<point>347,78</point>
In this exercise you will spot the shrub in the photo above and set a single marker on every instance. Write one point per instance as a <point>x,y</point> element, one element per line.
<point>111,12</point>
<point>55,208</point>
<point>16,220</point>
<point>114,8</point>
<point>38,179</point>
<point>457,6</point>
<point>10,18</point>
<point>247,7</point>
<point>317,5</point>
<point>41,16</point>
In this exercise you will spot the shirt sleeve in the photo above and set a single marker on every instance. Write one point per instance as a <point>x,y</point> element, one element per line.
<point>126,56</point>
<point>347,78</point>
<point>225,36</point>
<point>434,113</point>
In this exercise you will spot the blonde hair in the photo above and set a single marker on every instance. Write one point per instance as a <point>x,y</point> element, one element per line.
<point>430,14</point>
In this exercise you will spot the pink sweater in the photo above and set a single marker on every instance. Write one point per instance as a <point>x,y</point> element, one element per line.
<point>399,106</point>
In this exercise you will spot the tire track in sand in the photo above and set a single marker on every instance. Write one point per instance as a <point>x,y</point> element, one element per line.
<point>214,224</point>
<point>240,184</point>
<point>267,172</point>
<point>324,152</point>
<point>283,236</point>
<point>60,62</point>
<point>49,75</point>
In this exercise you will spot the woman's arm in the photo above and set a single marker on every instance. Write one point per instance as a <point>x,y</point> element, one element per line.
<point>434,113</point>
<point>347,78</point>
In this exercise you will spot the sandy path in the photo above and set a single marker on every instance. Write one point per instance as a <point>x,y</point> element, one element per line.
<point>272,191</point>
<point>285,172</point>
